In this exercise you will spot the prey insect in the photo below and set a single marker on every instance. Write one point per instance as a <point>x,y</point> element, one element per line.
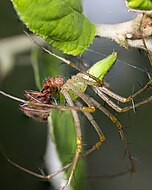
<point>60,94</point>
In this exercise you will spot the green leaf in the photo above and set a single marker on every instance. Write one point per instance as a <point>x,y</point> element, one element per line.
<point>60,22</point>
<point>140,4</point>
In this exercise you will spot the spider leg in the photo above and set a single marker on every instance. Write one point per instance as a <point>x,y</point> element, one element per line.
<point>43,177</point>
<point>85,98</point>
<point>80,77</point>
<point>42,105</point>
<point>68,62</point>
<point>70,86</point>
<point>97,129</point>
<point>29,107</point>
<point>123,99</point>
<point>120,130</point>
<point>100,134</point>
<point>39,113</point>
<point>147,50</point>
<point>78,136</point>
<point>32,95</point>
<point>115,106</point>
<point>12,97</point>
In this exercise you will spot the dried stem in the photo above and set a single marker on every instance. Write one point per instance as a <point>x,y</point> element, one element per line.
<point>129,34</point>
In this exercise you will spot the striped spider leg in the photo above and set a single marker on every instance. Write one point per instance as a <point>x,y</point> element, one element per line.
<point>40,102</point>
<point>54,88</point>
<point>71,90</point>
